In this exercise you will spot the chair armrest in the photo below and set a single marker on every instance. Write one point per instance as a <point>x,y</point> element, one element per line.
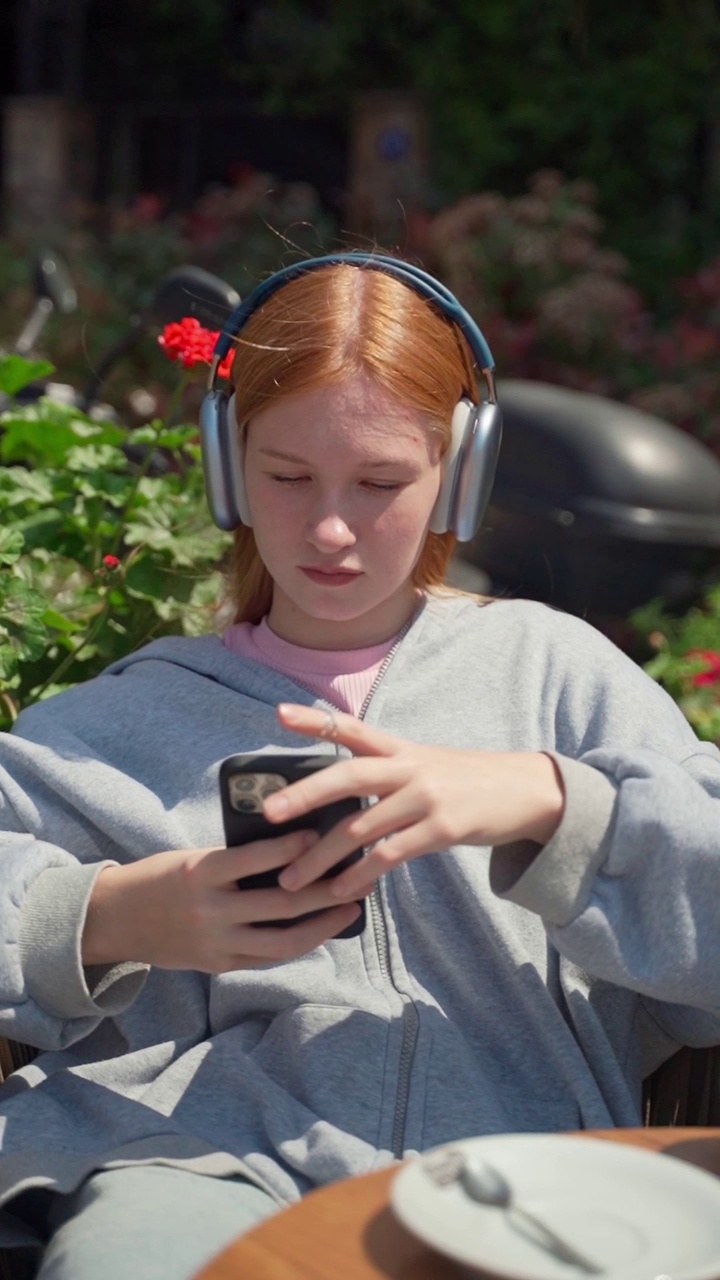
<point>685,1090</point>
<point>14,1055</point>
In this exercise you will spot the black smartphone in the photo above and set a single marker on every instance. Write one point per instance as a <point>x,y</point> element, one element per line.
<point>245,782</point>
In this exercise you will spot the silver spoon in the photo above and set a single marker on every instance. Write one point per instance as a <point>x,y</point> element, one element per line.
<point>486,1185</point>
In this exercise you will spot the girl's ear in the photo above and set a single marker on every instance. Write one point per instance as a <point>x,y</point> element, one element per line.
<point>237,463</point>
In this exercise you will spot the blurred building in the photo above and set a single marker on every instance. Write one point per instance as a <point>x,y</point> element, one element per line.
<point>84,120</point>
<point>96,110</point>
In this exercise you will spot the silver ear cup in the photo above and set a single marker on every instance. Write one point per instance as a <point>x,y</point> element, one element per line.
<point>440,518</point>
<point>222,462</point>
<point>476,470</point>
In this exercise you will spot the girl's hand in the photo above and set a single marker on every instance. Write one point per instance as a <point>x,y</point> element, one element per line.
<point>428,798</point>
<point>183,910</point>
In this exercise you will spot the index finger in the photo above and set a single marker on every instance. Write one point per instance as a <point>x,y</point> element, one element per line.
<point>337,726</point>
<point>354,777</point>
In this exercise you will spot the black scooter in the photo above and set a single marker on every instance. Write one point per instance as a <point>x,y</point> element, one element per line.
<point>596,507</point>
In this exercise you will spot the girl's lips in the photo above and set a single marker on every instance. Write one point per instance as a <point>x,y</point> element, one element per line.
<point>337,578</point>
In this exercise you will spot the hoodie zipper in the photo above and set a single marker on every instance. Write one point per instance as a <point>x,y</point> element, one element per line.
<point>380,933</point>
<point>382,946</point>
<point>409,1026</point>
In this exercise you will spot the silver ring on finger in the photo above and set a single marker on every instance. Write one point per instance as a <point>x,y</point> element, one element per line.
<point>331,728</point>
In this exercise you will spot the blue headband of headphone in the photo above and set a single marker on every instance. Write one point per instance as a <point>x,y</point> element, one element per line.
<point>423,283</point>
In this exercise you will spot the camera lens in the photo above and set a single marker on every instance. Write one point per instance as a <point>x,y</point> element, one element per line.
<point>246,806</point>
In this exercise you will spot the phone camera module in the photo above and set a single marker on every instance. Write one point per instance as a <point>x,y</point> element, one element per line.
<point>247,791</point>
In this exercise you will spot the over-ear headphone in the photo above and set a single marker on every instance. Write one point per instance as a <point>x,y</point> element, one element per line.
<point>470,462</point>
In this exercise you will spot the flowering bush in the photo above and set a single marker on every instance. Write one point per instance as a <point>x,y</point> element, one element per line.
<point>554,304</point>
<point>686,358</point>
<point>686,658</point>
<point>559,306</point>
<point>99,551</point>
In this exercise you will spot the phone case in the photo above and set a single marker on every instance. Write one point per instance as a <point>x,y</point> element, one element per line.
<point>242,827</point>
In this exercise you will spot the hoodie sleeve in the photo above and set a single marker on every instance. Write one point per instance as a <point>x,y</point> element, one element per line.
<point>47,998</point>
<point>629,886</point>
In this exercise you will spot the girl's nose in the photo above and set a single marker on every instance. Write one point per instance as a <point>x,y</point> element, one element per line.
<point>329,532</point>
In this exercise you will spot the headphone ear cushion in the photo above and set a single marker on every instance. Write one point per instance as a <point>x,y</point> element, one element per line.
<point>440,520</point>
<point>222,461</point>
<point>236,454</point>
<point>476,470</point>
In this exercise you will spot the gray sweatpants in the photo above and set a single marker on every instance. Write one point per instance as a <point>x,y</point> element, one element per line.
<point>148,1222</point>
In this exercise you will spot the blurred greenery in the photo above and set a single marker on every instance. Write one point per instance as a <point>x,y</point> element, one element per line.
<point>626,96</point>
<point>117,258</point>
<point>686,658</point>
<point>98,555</point>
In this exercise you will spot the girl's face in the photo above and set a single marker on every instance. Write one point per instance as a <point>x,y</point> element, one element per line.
<point>341,483</point>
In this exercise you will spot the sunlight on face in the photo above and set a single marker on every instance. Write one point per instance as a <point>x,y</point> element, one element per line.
<point>341,483</point>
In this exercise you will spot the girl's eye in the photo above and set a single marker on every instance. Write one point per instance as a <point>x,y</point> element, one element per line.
<point>375,486</point>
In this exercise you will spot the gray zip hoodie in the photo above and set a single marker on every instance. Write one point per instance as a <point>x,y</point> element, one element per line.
<point>514,989</point>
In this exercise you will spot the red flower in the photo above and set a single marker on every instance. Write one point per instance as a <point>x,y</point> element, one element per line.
<point>711,674</point>
<point>111,562</point>
<point>148,206</point>
<point>187,341</point>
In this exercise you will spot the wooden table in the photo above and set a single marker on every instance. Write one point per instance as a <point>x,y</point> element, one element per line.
<point>347,1231</point>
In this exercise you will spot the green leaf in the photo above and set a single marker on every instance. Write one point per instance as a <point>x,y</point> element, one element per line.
<point>58,622</point>
<point>171,438</point>
<point>201,614</point>
<point>148,434</point>
<point>42,433</point>
<point>11,545</point>
<point>65,588</point>
<point>199,548</point>
<point>115,489</point>
<point>155,536</point>
<point>23,633</point>
<point>18,485</point>
<point>49,691</point>
<point>154,488</point>
<point>93,457</point>
<point>149,580</point>
<point>43,529</point>
<point>16,372</point>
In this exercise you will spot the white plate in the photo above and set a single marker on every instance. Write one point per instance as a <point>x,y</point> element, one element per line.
<point>638,1214</point>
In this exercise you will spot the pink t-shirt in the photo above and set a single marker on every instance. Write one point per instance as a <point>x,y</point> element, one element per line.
<point>344,677</point>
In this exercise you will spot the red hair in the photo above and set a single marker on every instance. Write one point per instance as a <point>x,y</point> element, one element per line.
<point>330,325</point>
